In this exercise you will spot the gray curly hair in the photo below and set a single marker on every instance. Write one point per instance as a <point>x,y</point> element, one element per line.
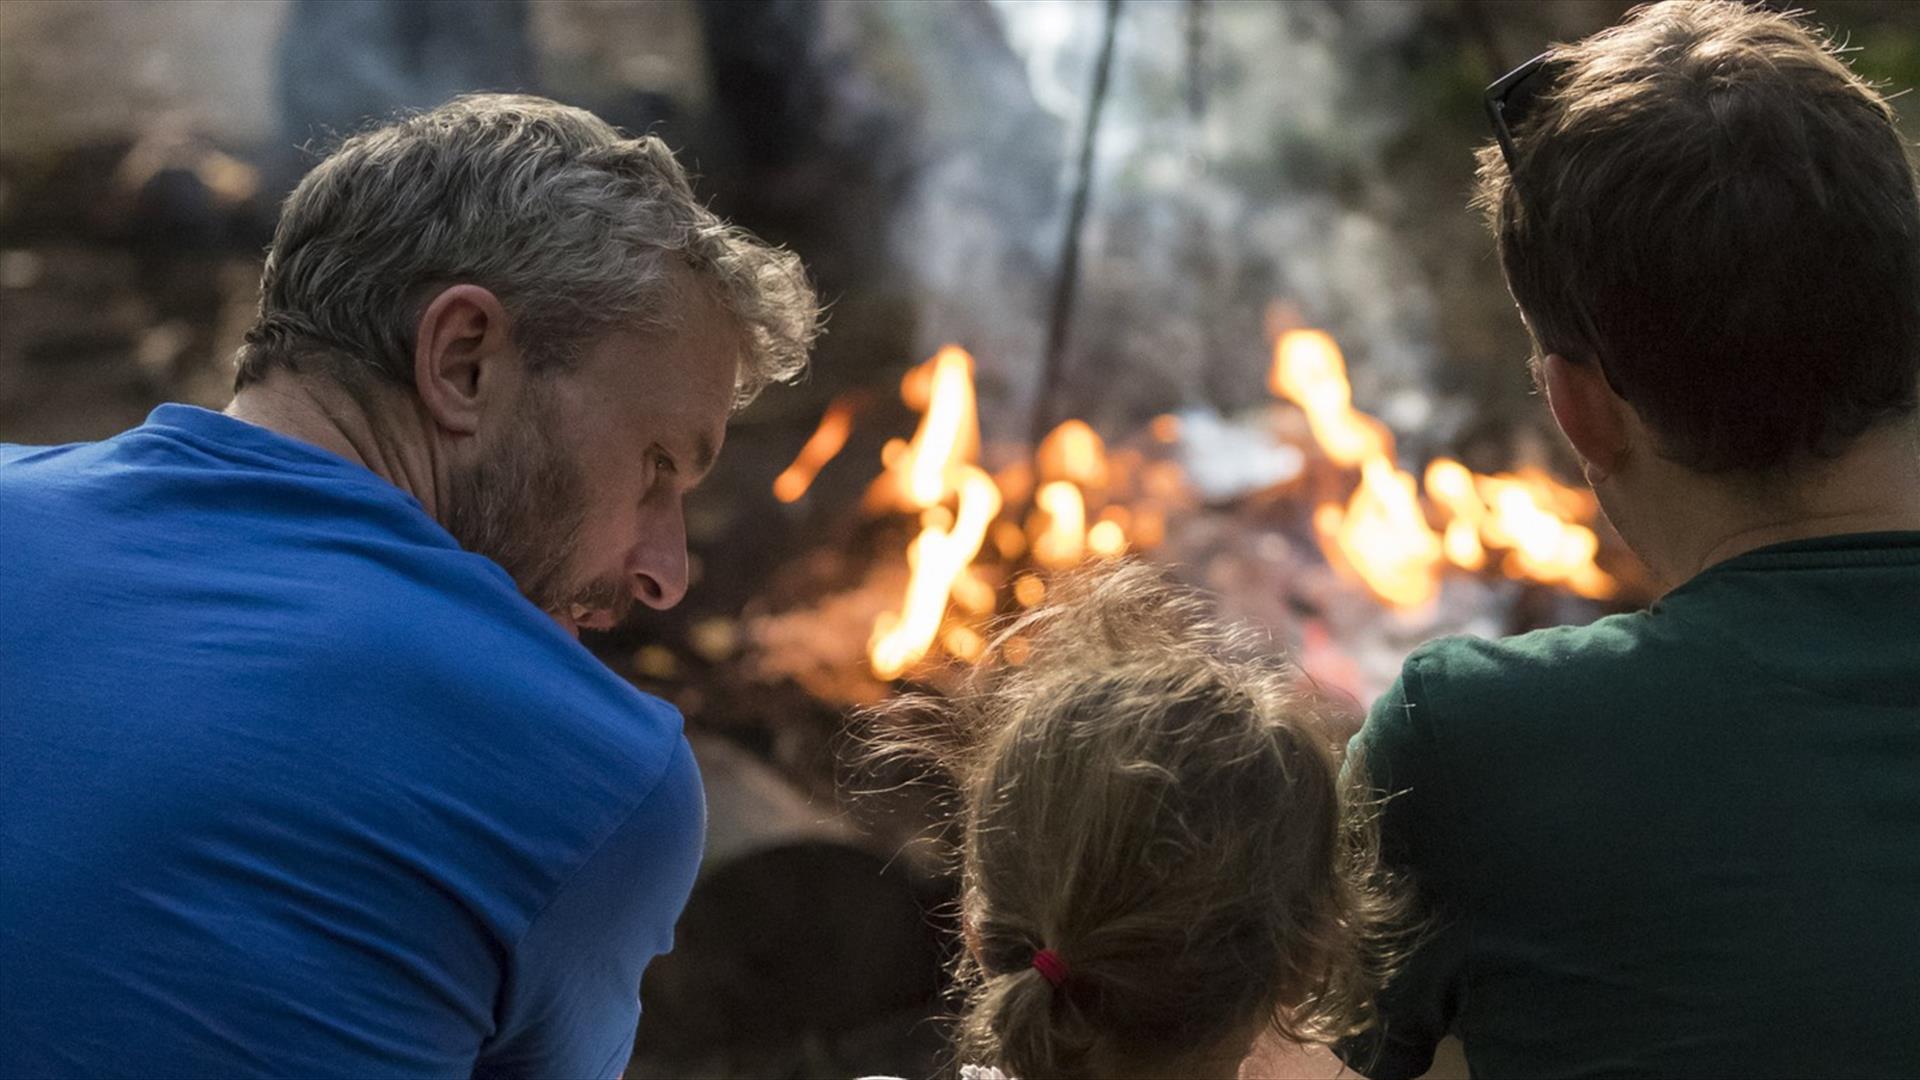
<point>578,230</point>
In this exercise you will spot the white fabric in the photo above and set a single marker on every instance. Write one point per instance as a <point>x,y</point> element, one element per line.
<point>967,1072</point>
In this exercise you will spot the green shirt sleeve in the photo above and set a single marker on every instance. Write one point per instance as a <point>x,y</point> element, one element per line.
<point>1418,1007</point>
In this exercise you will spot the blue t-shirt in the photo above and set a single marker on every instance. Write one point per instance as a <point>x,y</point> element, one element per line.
<point>291,784</point>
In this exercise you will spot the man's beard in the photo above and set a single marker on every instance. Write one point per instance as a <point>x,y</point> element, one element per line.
<point>525,507</point>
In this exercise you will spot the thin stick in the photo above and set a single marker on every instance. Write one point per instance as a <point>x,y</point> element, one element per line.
<point>1065,285</point>
<point>1196,59</point>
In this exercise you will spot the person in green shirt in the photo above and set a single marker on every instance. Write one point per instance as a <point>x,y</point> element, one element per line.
<point>1686,840</point>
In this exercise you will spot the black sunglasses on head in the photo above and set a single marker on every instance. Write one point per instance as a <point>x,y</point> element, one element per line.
<point>1508,101</point>
<point>1513,94</point>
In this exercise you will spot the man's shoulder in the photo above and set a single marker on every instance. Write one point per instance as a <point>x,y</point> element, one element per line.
<point>14,453</point>
<point>1464,697</point>
<point>26,470</point>
<point>379,624</point>
<point>1468,675</point>
<point>478,657</point>
<point>486,706</point>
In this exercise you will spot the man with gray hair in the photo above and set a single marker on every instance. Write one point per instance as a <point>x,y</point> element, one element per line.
<point>304,770</point>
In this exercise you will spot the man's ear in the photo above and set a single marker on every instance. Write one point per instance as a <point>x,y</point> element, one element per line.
<point>463,356</point>
<point>1590,414</point>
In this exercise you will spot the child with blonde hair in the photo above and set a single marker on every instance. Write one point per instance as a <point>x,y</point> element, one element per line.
<point>1155,867</point>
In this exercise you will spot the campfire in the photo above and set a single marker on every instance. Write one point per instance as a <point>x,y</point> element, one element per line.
<point>1299,514</point>
<point>990,527</point>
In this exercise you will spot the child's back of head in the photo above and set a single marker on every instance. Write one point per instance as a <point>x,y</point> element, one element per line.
<point>1153,856</point>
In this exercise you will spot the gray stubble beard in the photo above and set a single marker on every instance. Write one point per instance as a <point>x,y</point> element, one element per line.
<point>524,506</point>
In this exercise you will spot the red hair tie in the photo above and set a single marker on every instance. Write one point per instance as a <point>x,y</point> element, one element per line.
<point>1051,967</point>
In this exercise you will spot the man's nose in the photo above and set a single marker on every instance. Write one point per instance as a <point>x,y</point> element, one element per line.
<point>659,561</point>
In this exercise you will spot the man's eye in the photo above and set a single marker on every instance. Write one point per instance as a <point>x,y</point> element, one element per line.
<point>664,463</point>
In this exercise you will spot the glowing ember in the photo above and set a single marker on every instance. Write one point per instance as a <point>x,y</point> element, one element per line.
<point>1062,538</point>
<point>1073,452</point>
<point>964,642</point>
<point>1107,539</point>
<point>1149,527</point>
<point>1009,540</point>
<point>1029,590</point>
<point>826,441</point>
<point>974,594</point>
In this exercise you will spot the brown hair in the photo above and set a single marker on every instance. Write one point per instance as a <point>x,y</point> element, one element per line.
<point>577,228</point>
<point>1153,799</point>
<point>1736,212</point>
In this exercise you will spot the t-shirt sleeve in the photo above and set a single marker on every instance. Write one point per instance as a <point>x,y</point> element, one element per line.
<point>1398,750</point>
<point>572,997</point>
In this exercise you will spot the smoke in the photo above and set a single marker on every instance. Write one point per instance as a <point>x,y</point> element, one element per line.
<point>1242,160</point>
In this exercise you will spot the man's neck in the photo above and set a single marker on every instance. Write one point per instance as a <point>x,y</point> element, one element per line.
<point>1874,486</point>
<point>394,445</point>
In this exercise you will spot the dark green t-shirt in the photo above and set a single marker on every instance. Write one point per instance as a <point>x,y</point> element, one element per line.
<point>1684,841</point>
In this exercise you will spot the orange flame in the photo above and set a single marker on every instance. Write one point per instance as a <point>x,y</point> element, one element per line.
<point>1544,546</point>
<point>828,440</point>
<point>937,469</point>
<point>1309,371</point>
<point>1381,535</point>
<point>949,432</point>
<point>937,558</point>
<point>1072,462</point>
<point>1450,484</point>
<point>937,465</point>
<point>964,642</point>
<point>916,386</point>
<point>1528,514</point>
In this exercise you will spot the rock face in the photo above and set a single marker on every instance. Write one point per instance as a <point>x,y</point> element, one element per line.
<point>804,950</point>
